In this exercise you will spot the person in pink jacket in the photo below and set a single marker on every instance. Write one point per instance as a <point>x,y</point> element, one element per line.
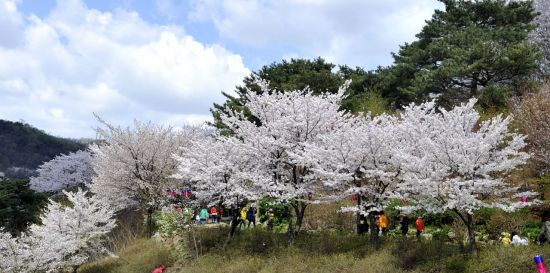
<point>159,269</point>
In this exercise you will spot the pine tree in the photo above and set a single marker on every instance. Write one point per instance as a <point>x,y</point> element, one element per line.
<point>471,49</point>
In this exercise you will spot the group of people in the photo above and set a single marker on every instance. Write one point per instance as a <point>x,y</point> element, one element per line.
<point>204,216</point>
<point>248,216</point>
<point>382,224</point>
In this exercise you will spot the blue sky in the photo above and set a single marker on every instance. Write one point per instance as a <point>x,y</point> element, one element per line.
<point>167,61</point>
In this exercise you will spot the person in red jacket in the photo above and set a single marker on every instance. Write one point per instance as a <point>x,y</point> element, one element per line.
<point>213,214</point>
<point>419,226</point>
<point>159,269</point>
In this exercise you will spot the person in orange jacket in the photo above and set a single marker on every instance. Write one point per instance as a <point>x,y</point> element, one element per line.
<point>384,223</point>
<point>419,226</point>
<point>159,269</point>
<point>213,214</point>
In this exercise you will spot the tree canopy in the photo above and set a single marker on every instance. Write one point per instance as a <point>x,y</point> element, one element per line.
<point>471,49</point>
<point>20,206</point>
<point>318,75</point>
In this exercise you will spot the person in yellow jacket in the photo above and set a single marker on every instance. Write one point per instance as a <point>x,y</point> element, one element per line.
<point>270,218</point>
<point>383,222</point>
<point>243,217</point>
<point>505,239</point>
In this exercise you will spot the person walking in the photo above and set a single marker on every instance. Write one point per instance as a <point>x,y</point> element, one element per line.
<point>405,225</point>
<point>363,226</point>
<point>270,219</point>
<point>251,216</point>
<point>244,211</point>
<point>213,215</point>
<point>419,226</point>
<point>203,215</point>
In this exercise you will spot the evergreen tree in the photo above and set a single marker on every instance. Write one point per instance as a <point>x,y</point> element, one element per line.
<point>297,74</point>
<point>471,49</point>
<point>20,206</point>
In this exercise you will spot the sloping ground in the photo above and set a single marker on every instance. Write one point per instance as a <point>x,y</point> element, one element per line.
<point>257,250</point>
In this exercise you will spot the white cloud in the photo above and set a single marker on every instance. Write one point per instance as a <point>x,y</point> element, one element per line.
<point>10,24</point>
<point>353,32</point>
<point>78,60</point>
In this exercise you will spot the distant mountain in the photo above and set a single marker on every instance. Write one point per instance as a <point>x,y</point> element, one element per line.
<point>24,147</point>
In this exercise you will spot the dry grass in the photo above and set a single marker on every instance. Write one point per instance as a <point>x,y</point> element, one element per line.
<point>261,251</point>
<point>142,256</point>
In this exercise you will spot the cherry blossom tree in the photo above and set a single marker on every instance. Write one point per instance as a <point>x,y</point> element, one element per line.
<point>286,123</point>
<point>68,237</point>
<point>16,253</point>
<point>541,35</point>
<point>357,159</point>
<point>220,173</point>
<point>456,162</point>
<point>64,171</point>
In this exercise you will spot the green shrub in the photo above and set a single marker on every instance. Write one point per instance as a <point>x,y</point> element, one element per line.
<point>531,230</point>
<point>441,234</point>
<point>170,223</point>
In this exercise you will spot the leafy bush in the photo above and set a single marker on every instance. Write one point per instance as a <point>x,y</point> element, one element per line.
<point>170,223</point>
<point>441,234</point>
<point>531,230</point>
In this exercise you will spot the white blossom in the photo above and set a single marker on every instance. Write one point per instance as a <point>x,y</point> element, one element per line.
<point>287,122</point>
<point>68,237</point>
<point>135,166</point>
<point>454,161</point>
<point>219,171</point>
<point>357,158</point>
<point>64,171</point>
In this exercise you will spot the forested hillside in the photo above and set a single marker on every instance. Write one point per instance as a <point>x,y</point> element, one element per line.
<point>22,145</point>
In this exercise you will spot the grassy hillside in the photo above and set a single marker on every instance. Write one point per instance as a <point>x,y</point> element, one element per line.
<point>22,145</point>
<point>258,250</point>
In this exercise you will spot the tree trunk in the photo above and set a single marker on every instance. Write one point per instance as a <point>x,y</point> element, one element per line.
<point>194,240</point>
<point>373,229</point>
<point>234,225</point>
<point>299,209</point>
<point>471,236</point>
<point>149,223</point>
<point>290,230</point>
<point>473,87</point>
<point>358,218</point>
<point>469,222</point>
